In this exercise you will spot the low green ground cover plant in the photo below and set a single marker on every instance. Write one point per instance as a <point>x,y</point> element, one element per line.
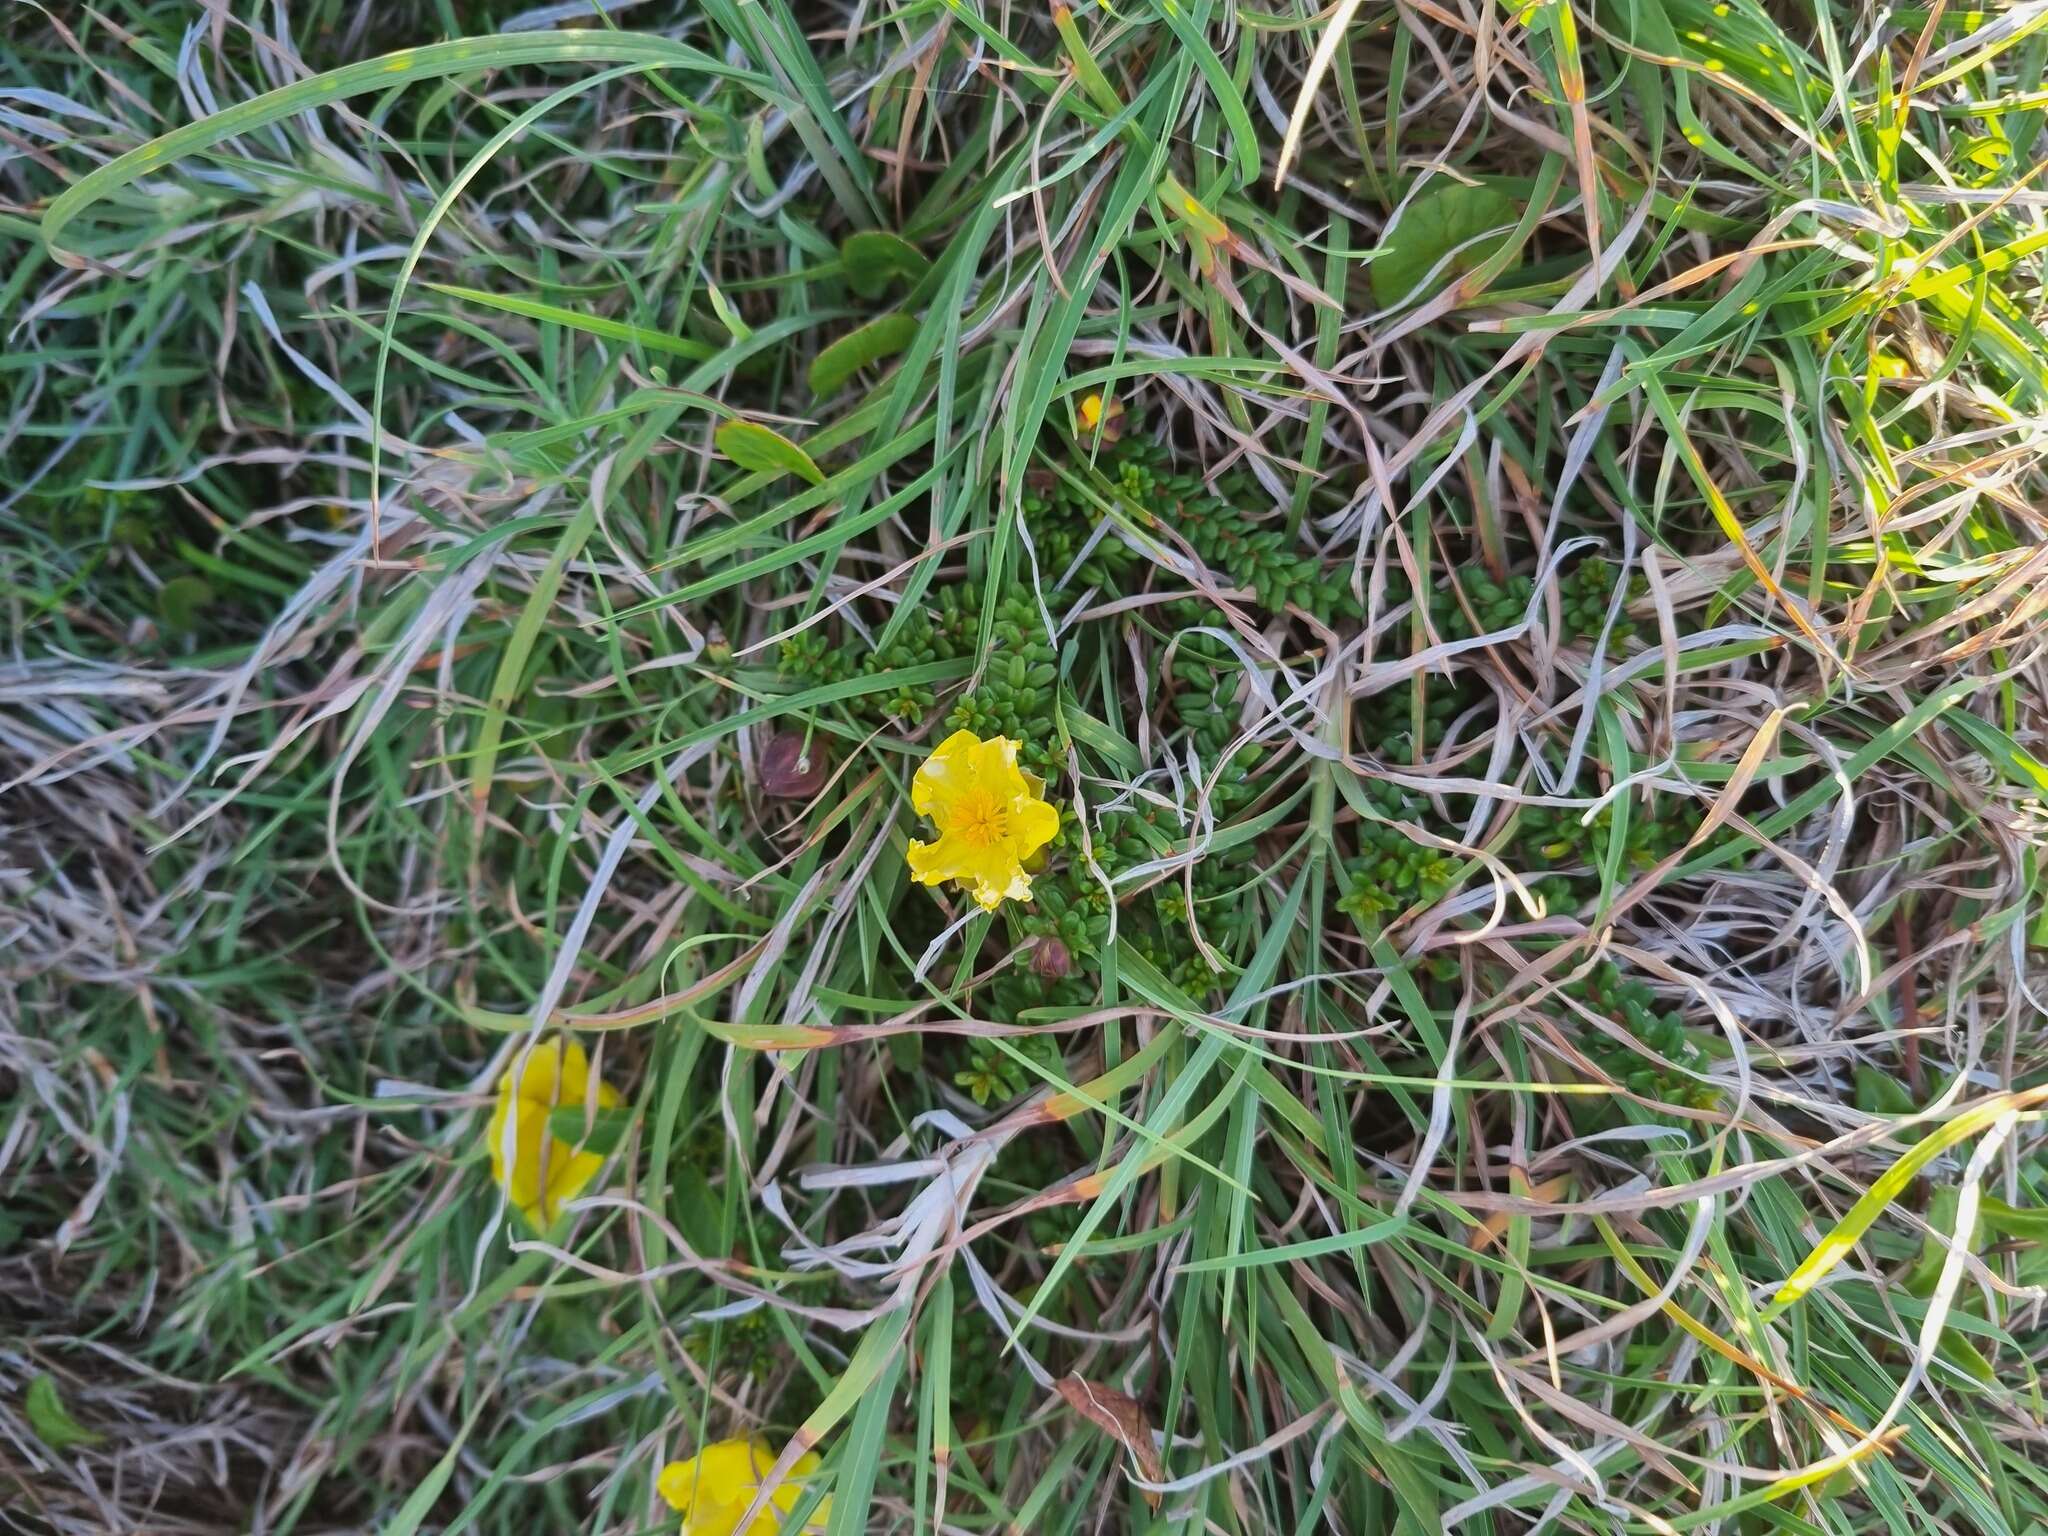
<point>1507,538</point>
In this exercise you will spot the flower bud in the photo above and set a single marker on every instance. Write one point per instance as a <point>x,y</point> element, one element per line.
<point>1050,960</point>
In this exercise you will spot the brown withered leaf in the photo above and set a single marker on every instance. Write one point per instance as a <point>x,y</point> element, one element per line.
<point>1117,1414</point>
<point>790,769</point>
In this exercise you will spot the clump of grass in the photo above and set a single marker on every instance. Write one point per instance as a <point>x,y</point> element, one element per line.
<point>1509,536</point>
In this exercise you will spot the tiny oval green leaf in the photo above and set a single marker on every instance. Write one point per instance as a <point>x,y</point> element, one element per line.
<point>766,451</point>
<point>182,602</point>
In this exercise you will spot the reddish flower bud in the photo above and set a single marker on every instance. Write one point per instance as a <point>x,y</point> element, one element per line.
<point>786,770</point>
<point>1050,960</point>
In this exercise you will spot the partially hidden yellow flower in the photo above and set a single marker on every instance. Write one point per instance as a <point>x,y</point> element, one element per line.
<point>1097,413</point>
<point>715,1486</point>
<point>991,817</point>
<point>544,1170</point>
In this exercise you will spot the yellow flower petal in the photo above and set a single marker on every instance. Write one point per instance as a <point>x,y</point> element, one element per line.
<point>677,1483</point>
<point>543,1171</point>
<point>714,1488</point>
<point>996,767</point>
<point>1033,824</point>
<point>950,769</point>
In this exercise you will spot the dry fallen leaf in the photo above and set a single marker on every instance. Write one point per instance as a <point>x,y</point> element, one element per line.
<point>1488,1232</point>
<point>1117,1413</point>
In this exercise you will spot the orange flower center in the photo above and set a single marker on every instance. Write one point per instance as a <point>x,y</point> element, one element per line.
<point>980,818</point>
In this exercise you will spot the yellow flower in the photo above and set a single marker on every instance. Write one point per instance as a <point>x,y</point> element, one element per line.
<point>715,1486</point>
<point>545,1170</point>
<point>991,817</point>
<point>1096,412</point>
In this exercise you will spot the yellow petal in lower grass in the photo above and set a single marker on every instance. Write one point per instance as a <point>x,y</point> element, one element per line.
<point>714,1487</point>
<point>538,1170</point>
<point>992,817</point>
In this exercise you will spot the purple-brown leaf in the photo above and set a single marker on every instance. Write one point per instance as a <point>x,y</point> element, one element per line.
<point>787,770</point>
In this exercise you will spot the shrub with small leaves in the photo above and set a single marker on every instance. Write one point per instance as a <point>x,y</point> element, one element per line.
<point>1065,527</point>
<point>1661,1036</point>
<point>1279,573</point>
<point>1386,720</point>
<point>993,1076</point>
<point>1015,696</point>
<point>1392,871</point>
<point>1583,595</point>
<point>1205,677</point>
<point>1562,851</point>
<point>1488,605</point>
<point>944,630</point>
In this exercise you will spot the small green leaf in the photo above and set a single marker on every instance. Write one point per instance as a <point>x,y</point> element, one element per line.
<point>1879,1093</point>
<point>875,257</point>
<point>48,1417</point>
<point>2028,1223</point>
<point>420,1503</point>
<point>757,155</point>
<point>1956,1348</point>
<point>181,601</point>
<point>695,1206</point>
<point>605,1129</point>
<point>727,315</point>
<point>1442,219</point>
<point>884,336</point>
<point>753,446</point>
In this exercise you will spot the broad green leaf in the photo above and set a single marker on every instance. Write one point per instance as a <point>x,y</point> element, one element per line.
<point>1441,220</point>
<point>881,337</point>
<point>2028,1222</point>
<point>694,1205</point>
<point>875,258</point>
<point>1879,1093</point>
<point>753,446</point>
